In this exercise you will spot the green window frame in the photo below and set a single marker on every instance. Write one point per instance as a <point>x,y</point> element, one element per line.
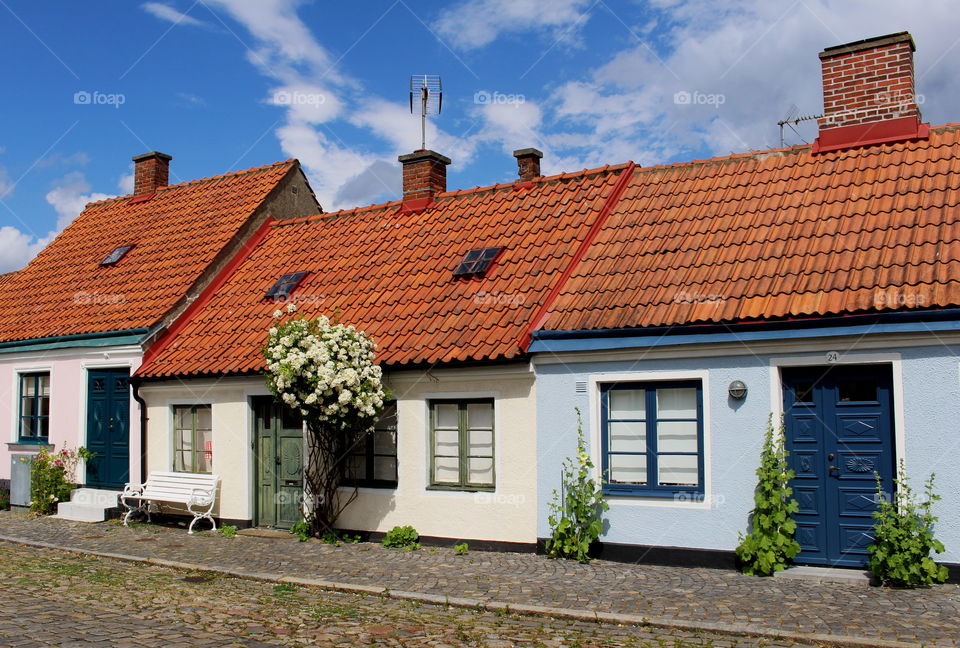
<point>34,416</point>
<point>372,462</point>
<point>462,435</point>
<point>193,438</point>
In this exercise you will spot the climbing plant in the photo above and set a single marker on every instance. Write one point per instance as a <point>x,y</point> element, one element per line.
<point>903,536</point>
<point>771,544</point>
<point>577,508</point>
<point>326,372</point>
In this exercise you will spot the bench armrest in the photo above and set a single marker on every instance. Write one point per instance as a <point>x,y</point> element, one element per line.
<point>202,496</point>
<point>132,490</point>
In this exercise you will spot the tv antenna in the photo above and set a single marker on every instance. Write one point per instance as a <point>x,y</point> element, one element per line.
<point>429,95</point>
<point>792,120</point>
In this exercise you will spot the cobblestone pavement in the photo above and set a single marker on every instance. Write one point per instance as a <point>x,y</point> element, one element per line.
<point>690,595</point>
<point>54,598</point>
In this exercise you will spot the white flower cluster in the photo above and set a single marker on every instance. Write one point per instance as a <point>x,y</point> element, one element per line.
<point>324,370</point>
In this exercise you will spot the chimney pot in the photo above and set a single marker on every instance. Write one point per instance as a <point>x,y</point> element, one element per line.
<point>150,172</point>
<point>528,163</point>
<point>424,174</point>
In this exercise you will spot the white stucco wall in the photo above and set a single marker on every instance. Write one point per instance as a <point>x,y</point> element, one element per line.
<point>68,396</point>
<point>508,514</point>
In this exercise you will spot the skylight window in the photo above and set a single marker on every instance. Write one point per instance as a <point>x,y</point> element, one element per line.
<point>285,286</point>
<point>476,262</point>
<point>116,255</point>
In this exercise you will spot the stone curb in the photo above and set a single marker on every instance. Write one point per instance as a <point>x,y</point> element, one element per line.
<point>840,641</point>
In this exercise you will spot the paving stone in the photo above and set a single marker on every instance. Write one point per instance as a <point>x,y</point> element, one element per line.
<point>688,595</point>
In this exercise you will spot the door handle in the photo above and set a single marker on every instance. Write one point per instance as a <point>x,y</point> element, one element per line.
<point>278,460</point>
<point>832,468</point>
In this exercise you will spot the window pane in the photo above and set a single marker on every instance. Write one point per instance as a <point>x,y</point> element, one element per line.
<point>45,385</point>
<point>204,417</point>
<point>388,418</point>
<point>628,403</point>
<point>678,470</point>
<point>28,386</point>
<point>385,442</point>
<point>677,436</point>
<point>857,390</point>
<point>677,402</point>
<point>27,405</point>
<point>628,469</point>
<point>446,470</point>
<point>448,415</point>
<point>182,418</point>
<point>480,415</point>
<point>204,450</point>
<point>184,439</point>
<point>803,392</point>
<point>43,427</point>
<point>481,471</point>
<point>447,442</point>
<point>26,427</point>
<point>290,419</point>
<point>481,443</point>
<point>180,460</point>
<point>45,406</point>
<point>385,468</point>
<point>628,437</point>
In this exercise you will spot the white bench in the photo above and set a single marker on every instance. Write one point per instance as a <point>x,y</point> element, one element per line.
<point>195,491</point>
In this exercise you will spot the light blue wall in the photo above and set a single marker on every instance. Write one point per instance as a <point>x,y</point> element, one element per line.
<point>931,403</point>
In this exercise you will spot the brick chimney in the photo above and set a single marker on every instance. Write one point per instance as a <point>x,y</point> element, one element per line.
<point>151,171</point>
<point>424,174</point>
<point>868,94</point>
<point>528,163</point>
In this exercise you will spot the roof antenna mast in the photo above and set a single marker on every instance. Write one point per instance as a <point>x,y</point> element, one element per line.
<point>429,93</point>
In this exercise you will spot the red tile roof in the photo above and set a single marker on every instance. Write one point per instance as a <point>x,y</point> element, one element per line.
<point>774,235</point>
<point>177,234</point>
<point>390,273</point>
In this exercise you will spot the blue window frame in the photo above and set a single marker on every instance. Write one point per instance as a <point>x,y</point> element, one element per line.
<point>34,407</point>
<point>652,438</point>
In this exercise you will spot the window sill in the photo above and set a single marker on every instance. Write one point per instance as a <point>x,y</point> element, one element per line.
<point>27,444</point>
<point>461,489</point>
<point>692,496</point>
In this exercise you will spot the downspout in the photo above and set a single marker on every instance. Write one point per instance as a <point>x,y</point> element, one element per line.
<point>135,383</point>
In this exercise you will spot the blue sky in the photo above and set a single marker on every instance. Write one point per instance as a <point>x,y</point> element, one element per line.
<point>230,84</point>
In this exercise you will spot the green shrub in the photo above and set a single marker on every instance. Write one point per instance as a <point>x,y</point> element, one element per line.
<point>903,536</point>
<point>771,544</point>
<point>228,531</point>
<point>51,477</point>
<point>576,512</point>
<point>4,499</point>
<point>461,549</point>
<point>301,529</point>
<point>402,537</point>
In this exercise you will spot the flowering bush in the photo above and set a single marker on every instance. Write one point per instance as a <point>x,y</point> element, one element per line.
<point>53,477</point>
<point>326,372</point>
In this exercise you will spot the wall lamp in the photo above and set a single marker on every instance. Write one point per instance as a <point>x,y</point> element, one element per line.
<point>737,390</point>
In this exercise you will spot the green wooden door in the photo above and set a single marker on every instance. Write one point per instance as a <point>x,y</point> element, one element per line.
<point>278,454</point>
<point>108,427</point>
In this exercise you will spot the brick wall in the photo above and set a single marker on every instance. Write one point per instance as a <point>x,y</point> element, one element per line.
<point>151,171</point>
<point>424,174</point>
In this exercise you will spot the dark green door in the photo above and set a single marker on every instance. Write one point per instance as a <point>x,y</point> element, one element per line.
<point>278,453</point>
<point>108,427</point>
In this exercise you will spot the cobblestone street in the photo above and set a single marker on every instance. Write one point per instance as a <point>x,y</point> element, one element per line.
<point>65,589</point>
<point>75,601</point>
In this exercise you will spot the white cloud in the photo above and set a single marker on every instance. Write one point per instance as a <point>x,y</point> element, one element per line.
<point>476,23</point>
<point>168,13</point>
<point>17,248</point>
<point>69,196</point>
<point>756,59</point>
<point>125,183</point>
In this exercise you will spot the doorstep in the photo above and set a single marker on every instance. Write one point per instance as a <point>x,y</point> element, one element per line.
<point>840,575</point>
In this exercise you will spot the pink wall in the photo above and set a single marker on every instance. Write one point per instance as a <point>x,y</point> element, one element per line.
<point>68,388</point>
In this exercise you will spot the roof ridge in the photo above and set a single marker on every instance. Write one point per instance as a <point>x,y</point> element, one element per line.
<point>456,193</point>
<point>186,183</point>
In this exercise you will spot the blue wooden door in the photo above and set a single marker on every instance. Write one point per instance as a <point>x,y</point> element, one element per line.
<point>839,432</point>
<point>108,427</point>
